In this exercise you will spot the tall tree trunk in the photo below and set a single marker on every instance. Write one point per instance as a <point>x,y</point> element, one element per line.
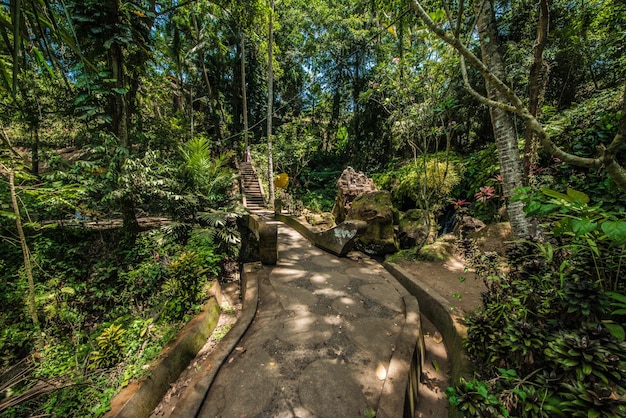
<point>270,104</point>
<point>502,121</point>
<point>244,95</point>
<point>119,106</point>
<point>217,113</point>
<point>34,148</point>
<point>535,83</point>
<point>28,269</point>
<point>119,122</point>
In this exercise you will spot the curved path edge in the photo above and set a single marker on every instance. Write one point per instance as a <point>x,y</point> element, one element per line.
<point>436,308</point>
<point>190,403</point>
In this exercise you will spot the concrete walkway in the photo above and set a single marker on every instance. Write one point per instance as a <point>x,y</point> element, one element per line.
<point>332,337</point>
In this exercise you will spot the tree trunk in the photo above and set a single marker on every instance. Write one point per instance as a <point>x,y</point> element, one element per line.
<point>119,107</point>
<point>34,149</point>
<point>502,121</point>
<point>119,122</point>
<point>28,269</point>
<point>244,96</point>
<point>535,83</point>
<point>217,113</point>
<point>270,105</point>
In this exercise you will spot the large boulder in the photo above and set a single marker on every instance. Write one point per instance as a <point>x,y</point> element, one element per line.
<point>416,228</point>
<point>376,209</point>
<point>467,225</point>
<point>350,185</point>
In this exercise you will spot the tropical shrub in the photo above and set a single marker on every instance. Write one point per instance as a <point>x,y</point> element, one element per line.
<point>183,288</point>
<point>110,347</point>
<point>207,175</point>
<point>427,181</point>
<point>546,341</point>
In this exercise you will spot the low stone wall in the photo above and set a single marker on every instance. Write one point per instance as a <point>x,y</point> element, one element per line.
<point>139,398</point>
<point>259,240</point>
<point>449,323</point>
<point>190,403</point>
<point>338,240</point>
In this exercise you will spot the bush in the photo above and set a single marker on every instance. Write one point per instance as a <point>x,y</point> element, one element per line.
<point>545,342</point>
<point>183,288</point>
<point>428,181</point>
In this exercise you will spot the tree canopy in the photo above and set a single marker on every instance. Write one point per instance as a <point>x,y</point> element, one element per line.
<point>125,109</point>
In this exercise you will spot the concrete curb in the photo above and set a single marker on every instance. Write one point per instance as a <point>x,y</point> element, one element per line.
<point>190,403</point>
<point>295,224</point>
<point>436,308</point>
<point>138,399</point>
<point>399,384</point>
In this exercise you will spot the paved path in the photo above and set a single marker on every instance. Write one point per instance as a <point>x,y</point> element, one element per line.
<point>328,340</point>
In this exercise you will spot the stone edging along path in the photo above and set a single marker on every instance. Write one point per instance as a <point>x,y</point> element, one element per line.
<point>140,398</point>
<point>448,322</point>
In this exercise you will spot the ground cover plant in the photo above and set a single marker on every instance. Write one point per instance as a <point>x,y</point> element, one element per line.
<point>105,313</point>
<point>549,339</point>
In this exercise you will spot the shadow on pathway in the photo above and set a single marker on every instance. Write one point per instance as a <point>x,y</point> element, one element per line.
<point>332,337</point>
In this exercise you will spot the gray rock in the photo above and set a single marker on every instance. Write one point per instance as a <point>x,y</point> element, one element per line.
<point>351,184</point>
<point>376,209</point>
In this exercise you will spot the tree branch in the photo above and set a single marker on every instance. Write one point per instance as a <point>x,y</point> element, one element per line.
<point>607,159</point>
<point>484,100</point>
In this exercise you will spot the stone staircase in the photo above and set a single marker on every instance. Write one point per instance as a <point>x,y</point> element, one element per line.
<point>252,194</point>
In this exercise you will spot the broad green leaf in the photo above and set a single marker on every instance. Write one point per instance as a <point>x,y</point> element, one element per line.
<point>616,330</point>
<point>555,194</point>
<point>482,390</point>
<point>532,207</point>
<point>577,196</point>
<point>548,208</point>
<point>615,230</point>
<point>583,226</point>
<point>617,296</point>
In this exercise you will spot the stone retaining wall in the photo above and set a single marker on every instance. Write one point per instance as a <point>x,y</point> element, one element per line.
<point>139,398</point>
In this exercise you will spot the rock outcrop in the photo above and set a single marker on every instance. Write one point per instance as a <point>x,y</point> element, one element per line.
<point>376,209</point>
<point>466,225</point>
<point>350,185</point>
<point>416,228</point>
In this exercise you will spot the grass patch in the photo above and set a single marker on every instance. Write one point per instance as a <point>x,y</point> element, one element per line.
<point>221,331</point>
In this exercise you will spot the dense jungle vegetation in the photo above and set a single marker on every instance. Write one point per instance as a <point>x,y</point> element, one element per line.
<point>141,109</point>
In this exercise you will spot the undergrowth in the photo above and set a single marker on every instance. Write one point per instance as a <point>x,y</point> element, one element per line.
<point>106,311</point>
<point>549,338</point>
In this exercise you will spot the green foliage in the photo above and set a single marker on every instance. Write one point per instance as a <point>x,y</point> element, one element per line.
<point>219,236</point>
<point>182,290</point>
<point>596,237</point>
<point>581,130</point>
<point>207,175</point>
<point>110,347</point>
<point>428,181</point>
<point>472,399</point>
<point>221,331</point>
<point>547,323</point>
